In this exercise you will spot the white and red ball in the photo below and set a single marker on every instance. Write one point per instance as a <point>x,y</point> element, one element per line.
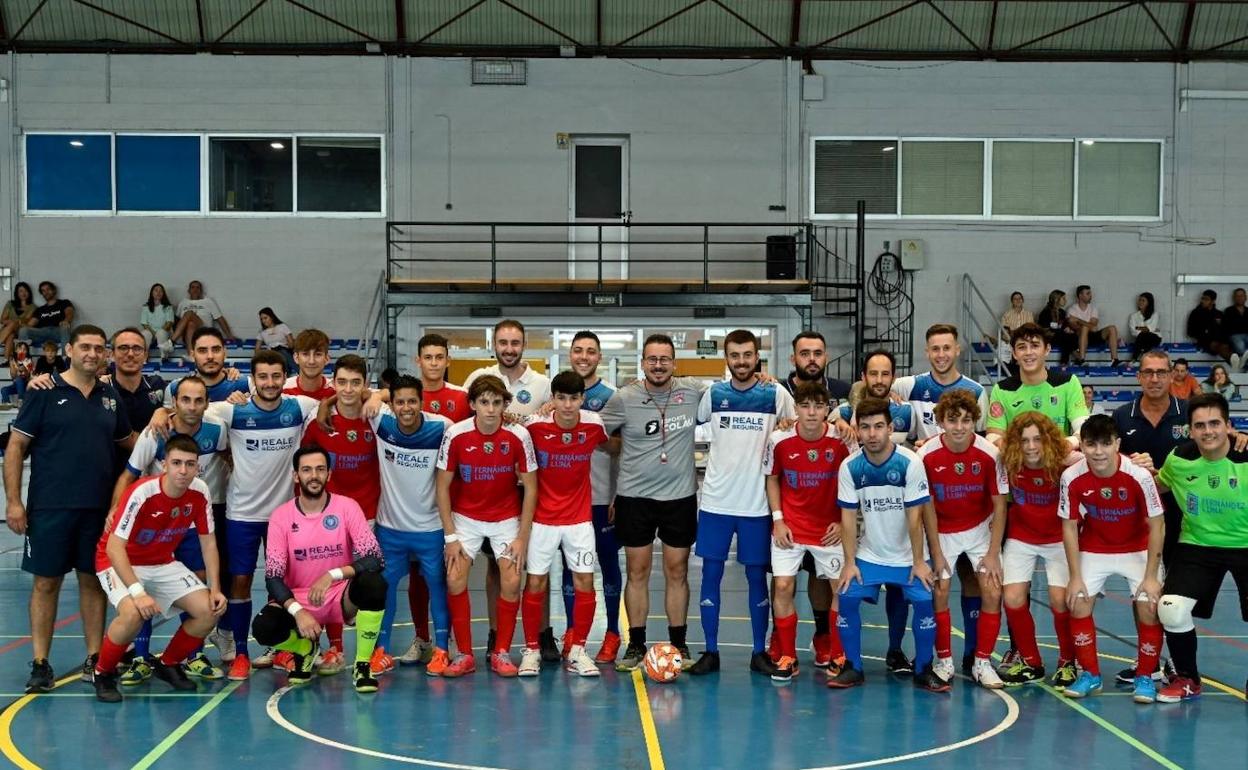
<point>662,663</point>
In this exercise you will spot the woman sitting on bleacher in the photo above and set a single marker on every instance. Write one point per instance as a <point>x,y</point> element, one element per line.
<point>1220,382</point>
<point>1143,326</point>
<point>1053,318</point>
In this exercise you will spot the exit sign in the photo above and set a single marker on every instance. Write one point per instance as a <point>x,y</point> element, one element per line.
<point>605,299</point>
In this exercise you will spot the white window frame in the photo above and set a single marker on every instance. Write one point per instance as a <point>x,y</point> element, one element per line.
<point>1161,177</point>
<point>811,186</point>
<point>25,176</point>
<point>1074,159</point>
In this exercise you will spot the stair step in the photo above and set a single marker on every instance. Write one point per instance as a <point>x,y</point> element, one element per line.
<point>837,284</point>
<point>841,314</point>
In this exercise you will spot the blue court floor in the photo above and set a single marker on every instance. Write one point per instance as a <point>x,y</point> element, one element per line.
<point>730,720</point>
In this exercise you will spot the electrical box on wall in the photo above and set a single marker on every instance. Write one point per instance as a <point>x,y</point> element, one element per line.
<point>812,88</point>
<point>913,257</point>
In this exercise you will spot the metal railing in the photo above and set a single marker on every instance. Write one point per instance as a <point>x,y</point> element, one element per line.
<point>975,363</point>
<point>374,321</point>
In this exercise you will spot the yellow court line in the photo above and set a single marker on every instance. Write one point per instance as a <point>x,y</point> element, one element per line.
<point>648,728</point>
<point>7,746</point>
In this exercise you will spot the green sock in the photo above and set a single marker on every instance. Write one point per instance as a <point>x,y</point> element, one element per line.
<point>367,627</point>
<point>296,644</point>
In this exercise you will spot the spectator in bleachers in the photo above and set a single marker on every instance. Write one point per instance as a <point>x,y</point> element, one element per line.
<point>1017,315</point>
<point>49,362</point>
<point>1182,384</point>
<point>1086,320</point>
<point>156,320</point>
<point>17,312</point>
<point>1143,327</point>
<point>1205,326</point>
<point>1235,323</point>
<point>1089,399</point>
<point>198,310</point>
<point>51,320</point>
<point>21,368</point>
<point>276,336</point>
<point>1053,318</point>
<point>1220,382</point>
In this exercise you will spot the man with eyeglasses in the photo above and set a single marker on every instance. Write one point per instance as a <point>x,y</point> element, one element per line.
<point>141,394</point>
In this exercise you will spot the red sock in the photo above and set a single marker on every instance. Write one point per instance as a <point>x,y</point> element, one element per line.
<point>180,647</point>
<point>1065,639</point>
<point>110,656</point>
<point>461,620</point>
<point>835,632</point>
<point>1023,632</point>
<point>1149,648</point>
<point>534,602</point>
<point>786,636</point>
<point>1083,631</point>
<point>334,632</point>
<point>944,634</point>
<point>988,627</point>
<point>584,603</point>
<point>418,601</point>
<point>507,612</point>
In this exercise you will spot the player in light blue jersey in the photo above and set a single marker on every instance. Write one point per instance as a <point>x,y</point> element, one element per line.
<point>208,353</point>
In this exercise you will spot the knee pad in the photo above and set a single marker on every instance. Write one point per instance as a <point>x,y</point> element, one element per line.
<point>1175,613</point>
<point>368,591</point>
<point>272,626</point>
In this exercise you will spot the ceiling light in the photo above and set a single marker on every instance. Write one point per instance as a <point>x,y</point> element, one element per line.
<point>75,143</point>
<point>889,148</point>
<point>1088,142</point>
<point>277,145</point>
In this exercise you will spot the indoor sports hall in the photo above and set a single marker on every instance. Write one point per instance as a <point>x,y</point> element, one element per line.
<point>394,171</point>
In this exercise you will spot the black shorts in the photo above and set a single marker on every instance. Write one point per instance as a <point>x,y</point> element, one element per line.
<point>1197,572</point>
<point>59,540</point>
<point>639,519</point>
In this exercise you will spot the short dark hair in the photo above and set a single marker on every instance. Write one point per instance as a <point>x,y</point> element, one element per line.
<point>432,340</point>
<point>127,330</point>
<point>488,383</point>
<point>311,449</point>
<point>1157,353</point>
<point>892,362</point>
<point>658,338</point>
<point>83,330</point>
<point>935,329</point>
<point>50,285</point>
<point>181,443</point>
<point>812,391</point>
<point>207,331</point>
<point>509,323</point>
<point>1030,331</point>
<point>1099,429</point>
<point>193,379</point>
<point>586,334</point>
<point>1182,362</point>
<point>1210,293</point>
<point>266,358</point>
<point>406,382</point>
<point>388,375</point>
<point>809,334</point>
<point>1208,401</point>
<point>740,337</point>
<point>870,407</point>
<point>352,363</point>
<point>569,383</point>
<point>1081,288</point>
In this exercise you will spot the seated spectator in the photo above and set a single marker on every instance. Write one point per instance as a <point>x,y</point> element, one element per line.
<point>1220,382</point>
<point>1089,400</point>
<point>21,369</point>
<point>1053,318</point>
<point>276,336</point>
<point>1235,324</point>
<point>1204,326</point>
<point>1182,384</point>
<point>17,313</point>
<point>52,320</point>
<point>1086,320</point>
<point>1143,327</point>
<point>196,311</point>
<point>156,320</point>
<point>1017,315</point>
<point>49,362</point>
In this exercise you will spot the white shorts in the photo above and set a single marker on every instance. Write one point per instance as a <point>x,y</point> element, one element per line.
<point>973,542</point>
<point>1100,567</point>
<point>165,583</point>
<point>1018,562</point>
<point>577,541</point>
<point>472,532</point>
<point>787,562</point>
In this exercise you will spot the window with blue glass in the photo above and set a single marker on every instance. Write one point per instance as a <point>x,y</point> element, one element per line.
<point>157,173</point>
<point>69,172</point>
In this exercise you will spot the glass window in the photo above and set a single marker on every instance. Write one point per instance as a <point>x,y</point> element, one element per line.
<point>1119,179</point>
<point>69,172</point>
<point>157,173</point>
<point>339,174</point>
<point>942,178</point>
<point>847,171</point>
<point>1033,179</point>
<point>250,174</point>
<point>461,339</point>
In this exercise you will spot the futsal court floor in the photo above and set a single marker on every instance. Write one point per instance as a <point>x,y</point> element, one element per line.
<point>731,720</point>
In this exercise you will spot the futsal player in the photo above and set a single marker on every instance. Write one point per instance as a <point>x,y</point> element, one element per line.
<point>1056,394</point>
<point>311,353</point>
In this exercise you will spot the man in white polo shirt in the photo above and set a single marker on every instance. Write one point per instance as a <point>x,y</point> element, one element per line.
<point>1087,321</point>
<point>529,388</point>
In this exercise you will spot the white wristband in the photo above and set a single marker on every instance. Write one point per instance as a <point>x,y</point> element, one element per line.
<point>451,538</point>
<point>293,608</point>
<point>777,515</point>
<point>335,574</point>
<point>136,590</point>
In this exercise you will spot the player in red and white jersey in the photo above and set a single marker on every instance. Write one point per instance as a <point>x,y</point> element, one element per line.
<point>311,357</point>
<point>433,357</point>
<point>135,564</point>
<point>801,465</point>
<point>479,464</point>
<point>1112,525</point>
<point>1035,453</point>
<point>966,516</point>
<point>564,442</point>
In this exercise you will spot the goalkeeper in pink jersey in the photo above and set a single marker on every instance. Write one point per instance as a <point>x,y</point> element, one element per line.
<point>322,565</point>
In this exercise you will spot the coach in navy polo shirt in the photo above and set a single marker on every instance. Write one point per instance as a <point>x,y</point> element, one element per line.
<point>72,434</point>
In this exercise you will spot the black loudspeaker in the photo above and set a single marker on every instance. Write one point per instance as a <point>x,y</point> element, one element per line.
<point>781,257</point>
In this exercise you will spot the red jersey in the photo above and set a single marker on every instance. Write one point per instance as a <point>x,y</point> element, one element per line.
<point>291,388</point>
<point>1033,508</point>
<point>450,401</point>
<point>486,469</point>
<point>1114,511</point>
<point>355,471</point>
<point>808,472</point>
<point>153,523</point>
<point>963,483</point>
<point>563,457</point>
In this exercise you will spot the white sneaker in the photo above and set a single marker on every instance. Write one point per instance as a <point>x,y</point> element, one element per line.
<point>530,662</point>
<point>578,662</point>
<point>1235,362</point>
<point>264,659</point>
<point>223,640</point>
<point>420,652</point>
<point>983,672</point>
<point>943,668</point>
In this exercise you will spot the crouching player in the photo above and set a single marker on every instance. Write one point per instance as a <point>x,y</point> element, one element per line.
<point>134,562</point>
<point>311,577</point>
<point>801,465</point>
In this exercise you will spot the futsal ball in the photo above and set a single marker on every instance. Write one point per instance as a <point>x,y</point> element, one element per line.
<point>662,663</point>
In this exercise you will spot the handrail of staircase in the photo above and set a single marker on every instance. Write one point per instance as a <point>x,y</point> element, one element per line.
<point>971,292</point>
<point>372,320</point>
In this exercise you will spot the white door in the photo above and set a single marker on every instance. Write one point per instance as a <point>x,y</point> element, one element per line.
<point>597,206</point>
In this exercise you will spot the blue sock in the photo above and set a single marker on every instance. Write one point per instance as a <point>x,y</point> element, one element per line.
<point>760,604</point>
<point>393,575</point>
<point>849,624</point>
<point>612,585</point>
<point>569,594</point>
<point>924,625</point>
<point>239,613</point>
<point>895,607</point>
<point>970,623</point>
<point>712,576</point>
<point>143,642</point>
<point>439,610</point>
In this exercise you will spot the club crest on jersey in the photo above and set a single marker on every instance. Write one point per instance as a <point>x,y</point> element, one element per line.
<point>1035,403</point>
<point>1122,494</point>
<point>581,437</point>
<point>959,468</point>
<point>899,423</point>
<point>975,469</point>
<point>1053,400</point>
<point>812,454</point>
<point>436,406</point>
<point>679,398</point>
<point>829,455</point>
<point>1233,482</point>
<point>594,404</point>
<point>205,445</point>
<point>997,409</point>
<point>1214,481</point>
<point>286,419</point>
<point>524,396</point>
<point>155,397</point>
<point>1038,481</point>
<point>1107,493</point>
<point>330,522</point>
<point>566,438</point>
<point>352,435</point>
<point>488,447</point>
<point>368,435</point>
<point>505,448</point>
<point>894,476</point>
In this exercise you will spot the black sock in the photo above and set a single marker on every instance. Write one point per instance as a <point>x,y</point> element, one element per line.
<point>1183,652</point>
<point>677,635</point>
<point>637,637</point>
<point>821,622</point>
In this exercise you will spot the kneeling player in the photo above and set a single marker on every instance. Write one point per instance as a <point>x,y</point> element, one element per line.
<point>801,465</point>
<point>1113,526</point>
<point>310,575</point>
<point>134,562</point>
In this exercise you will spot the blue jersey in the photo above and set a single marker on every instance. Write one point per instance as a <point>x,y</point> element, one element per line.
<point>408,471</point>
<point>901,416</point>
<point>602,466</point>
<point>922,391</point>
<point>883,493</point>
<point>740,422</point>
<point>219,392</point>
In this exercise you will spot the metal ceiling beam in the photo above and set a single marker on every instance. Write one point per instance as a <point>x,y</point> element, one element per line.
<point>956,28</point>
<point>241,19</point>
<point>1160,28</point>
<point>451,20</point>
<point>598,22</point>
<point>539,22</point>
<point>992,26</point>
<point>331,20</point>
<point>1185,40</point>
<point>4,28</point>
<point>661,22</point>
<point>748,23</point>
<point>199,20</point>
<point>127,20</point>
<point>1077,24</point>
<point>864,25</point>
<point>400,21</point>
<point>1219,46</point>
<point>795,24</point>
<point>29,19</point>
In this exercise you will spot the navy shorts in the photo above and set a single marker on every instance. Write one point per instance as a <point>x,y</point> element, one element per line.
<point>715,531</point>
<point>188,551</point>
<point>246,540</point>
<point>59,540</point>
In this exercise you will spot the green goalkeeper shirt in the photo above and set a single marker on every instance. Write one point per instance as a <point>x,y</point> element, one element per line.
<point>1212,494</point>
